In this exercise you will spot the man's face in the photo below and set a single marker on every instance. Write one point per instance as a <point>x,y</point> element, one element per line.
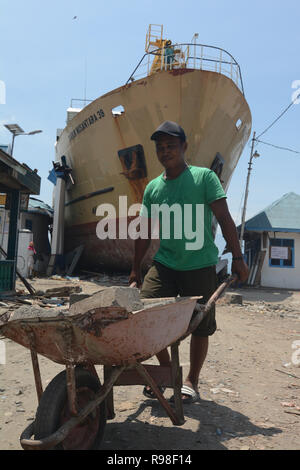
<point>170,150</point>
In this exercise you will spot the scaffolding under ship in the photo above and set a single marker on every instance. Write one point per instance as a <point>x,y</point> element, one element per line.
<point>107,143</point>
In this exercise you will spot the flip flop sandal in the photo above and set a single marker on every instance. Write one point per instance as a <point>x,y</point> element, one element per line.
<point>150,394</point>
<point>191,395</point>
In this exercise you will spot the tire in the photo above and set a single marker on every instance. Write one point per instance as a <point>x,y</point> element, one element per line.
<point>53,411</point>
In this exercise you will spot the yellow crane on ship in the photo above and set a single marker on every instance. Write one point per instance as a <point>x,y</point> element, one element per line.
<point>164,53</point>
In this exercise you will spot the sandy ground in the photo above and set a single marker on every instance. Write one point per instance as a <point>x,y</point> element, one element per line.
<point>250,383</point>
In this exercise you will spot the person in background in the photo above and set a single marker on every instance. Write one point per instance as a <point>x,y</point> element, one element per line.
<point>169,53</point>
<point>31,257</point>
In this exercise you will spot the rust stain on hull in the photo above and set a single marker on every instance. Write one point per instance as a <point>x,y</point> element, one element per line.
<point>176,72</point>
<point>137,184</point>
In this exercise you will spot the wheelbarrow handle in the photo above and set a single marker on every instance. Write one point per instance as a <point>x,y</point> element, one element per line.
<point>217,294</point>
<point>202,310</point>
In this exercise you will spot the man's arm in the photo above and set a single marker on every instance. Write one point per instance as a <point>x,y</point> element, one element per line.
<point>141,247</point>
<point>221,211</point>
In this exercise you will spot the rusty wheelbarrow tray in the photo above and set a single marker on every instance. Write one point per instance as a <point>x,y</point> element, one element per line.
<point>72,410</point>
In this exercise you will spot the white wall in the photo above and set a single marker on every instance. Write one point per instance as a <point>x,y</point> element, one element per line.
<point>39,236</point>
<point>285,278</point>
<point>25,236</point>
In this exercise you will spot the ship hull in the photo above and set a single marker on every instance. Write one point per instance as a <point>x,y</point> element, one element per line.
<point>208,105</point>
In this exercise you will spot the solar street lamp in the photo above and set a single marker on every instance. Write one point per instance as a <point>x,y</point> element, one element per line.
<point>16,130</point>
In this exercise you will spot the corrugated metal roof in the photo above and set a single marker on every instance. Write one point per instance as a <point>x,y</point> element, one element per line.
<point>282,215</point>
<point>36,205</point>
<point>22,177</point>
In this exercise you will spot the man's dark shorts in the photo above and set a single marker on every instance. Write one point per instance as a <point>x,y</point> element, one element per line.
<point>161,281</point>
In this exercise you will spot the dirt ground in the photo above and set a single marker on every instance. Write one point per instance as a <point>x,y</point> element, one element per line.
<point>250,383</point>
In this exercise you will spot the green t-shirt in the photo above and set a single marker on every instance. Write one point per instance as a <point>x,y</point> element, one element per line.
<point>185,219</point>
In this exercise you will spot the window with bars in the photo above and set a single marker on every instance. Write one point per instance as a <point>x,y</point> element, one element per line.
<point>28,224</point>
<point>281,253</point>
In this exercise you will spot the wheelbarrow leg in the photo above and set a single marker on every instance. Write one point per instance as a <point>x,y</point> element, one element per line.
<point>176,420</point>
<point>177,380</point>
<point>71,388</point>
<point>110,411</point>
<point>37,374</point>
<point>35,363</point>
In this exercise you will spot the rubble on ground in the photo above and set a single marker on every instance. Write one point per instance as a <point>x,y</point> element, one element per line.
<point>260,306</point>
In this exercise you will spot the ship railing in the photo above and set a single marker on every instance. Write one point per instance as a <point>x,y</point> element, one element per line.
<point>189,56</point>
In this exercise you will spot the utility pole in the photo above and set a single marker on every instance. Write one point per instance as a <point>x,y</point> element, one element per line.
<point>252,155</point>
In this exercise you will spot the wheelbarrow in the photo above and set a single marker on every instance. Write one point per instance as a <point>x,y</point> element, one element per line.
<point>73,409</point>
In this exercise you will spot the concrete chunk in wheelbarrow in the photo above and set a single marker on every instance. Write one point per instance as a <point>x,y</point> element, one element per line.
<point>32,313</point>
<point>127,298</point>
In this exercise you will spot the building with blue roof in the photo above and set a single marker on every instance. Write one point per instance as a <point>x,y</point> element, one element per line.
<point>272,244</point>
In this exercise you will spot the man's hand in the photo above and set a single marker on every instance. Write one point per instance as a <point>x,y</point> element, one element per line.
<point>140,249</point>
<point>240,268</point>
<point>135,279</point>
<point>220,210</point>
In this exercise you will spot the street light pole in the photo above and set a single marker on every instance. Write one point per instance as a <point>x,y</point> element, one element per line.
<point>12,144</point>
<point>247,189</point>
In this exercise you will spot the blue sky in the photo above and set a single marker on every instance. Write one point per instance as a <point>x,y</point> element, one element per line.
<point>44,52</point>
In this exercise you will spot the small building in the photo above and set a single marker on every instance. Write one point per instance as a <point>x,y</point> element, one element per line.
<point>272,244</point>
<point>35,222</point>
<point>17,182</point>
<point>38,218</point>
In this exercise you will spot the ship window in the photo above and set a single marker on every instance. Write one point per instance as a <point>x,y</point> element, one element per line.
<point>238,124</point>
<point>133,162</point>
<point>118,110</point>
<point>217,165</point>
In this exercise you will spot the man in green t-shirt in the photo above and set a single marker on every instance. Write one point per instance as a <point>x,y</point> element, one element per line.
<point>183,199</point>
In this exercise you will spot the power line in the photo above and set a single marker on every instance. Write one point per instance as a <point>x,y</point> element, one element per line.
<point>277,147</point>
<point>280,116</point>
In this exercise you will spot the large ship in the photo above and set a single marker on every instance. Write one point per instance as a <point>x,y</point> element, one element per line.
<point>107,143</point>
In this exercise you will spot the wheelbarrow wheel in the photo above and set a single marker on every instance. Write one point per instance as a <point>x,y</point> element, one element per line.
<point>53,411</point>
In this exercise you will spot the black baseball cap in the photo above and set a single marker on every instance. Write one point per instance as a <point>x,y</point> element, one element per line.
<point>170,128</point>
